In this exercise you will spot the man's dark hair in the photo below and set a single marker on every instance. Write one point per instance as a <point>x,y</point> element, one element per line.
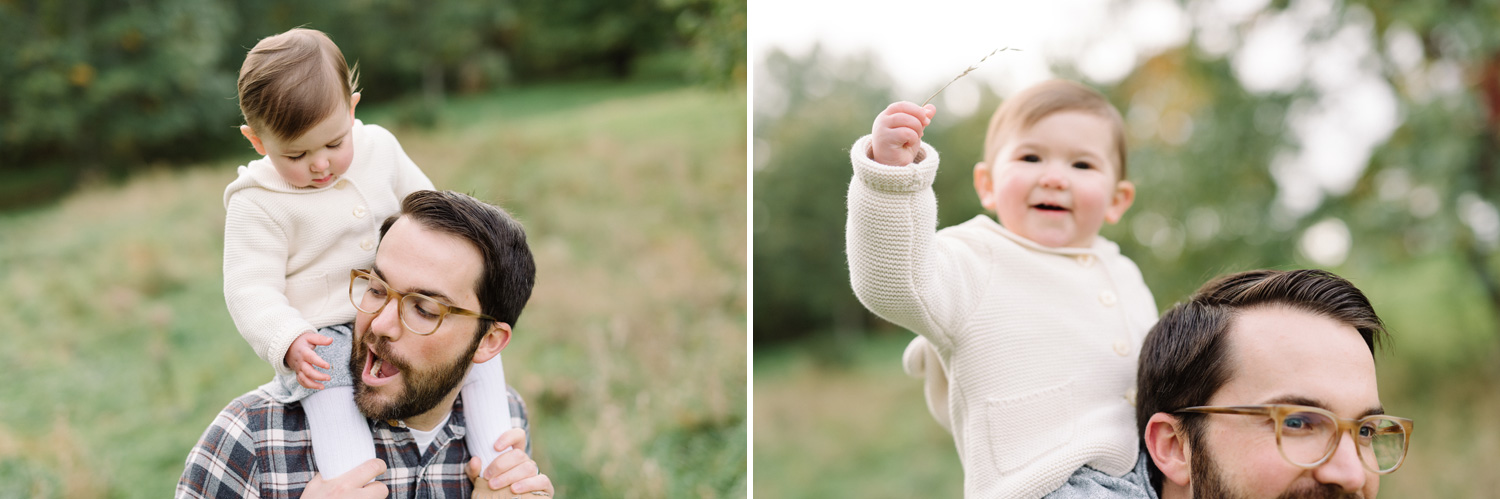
<point>1184,359</point>
<point>509,272</point>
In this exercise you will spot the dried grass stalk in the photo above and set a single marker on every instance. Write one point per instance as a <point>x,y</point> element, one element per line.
<point>966,72</point>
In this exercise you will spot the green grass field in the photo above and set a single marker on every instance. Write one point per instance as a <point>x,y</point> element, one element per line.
<point>631,353</point>
<point>842,420</point>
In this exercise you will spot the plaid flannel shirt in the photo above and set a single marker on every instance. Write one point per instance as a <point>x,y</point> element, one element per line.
<point>257,447</point>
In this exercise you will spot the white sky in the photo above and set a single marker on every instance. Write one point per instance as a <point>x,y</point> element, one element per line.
<point>922,45</point>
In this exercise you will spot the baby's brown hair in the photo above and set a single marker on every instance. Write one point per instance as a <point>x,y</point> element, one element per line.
<point>1025,109</point>
<point>292,81</point>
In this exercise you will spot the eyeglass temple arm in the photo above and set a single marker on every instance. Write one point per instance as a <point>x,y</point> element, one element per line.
<point>1250,410</point>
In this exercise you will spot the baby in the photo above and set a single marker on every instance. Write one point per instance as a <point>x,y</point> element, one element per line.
<point>299,219</point>
<point>1036,320</point>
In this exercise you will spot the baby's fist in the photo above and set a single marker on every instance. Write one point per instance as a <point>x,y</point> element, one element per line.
<point>304,361</point>
<point>897,134</point>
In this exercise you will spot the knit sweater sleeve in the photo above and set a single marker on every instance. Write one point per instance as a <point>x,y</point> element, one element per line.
<point>898,265</point>
<point>255,256</point>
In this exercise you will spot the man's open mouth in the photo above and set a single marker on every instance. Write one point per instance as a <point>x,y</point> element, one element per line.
<point>377,368</point>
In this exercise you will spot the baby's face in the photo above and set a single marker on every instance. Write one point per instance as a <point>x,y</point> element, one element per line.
<point>1057,182</point>
<point>319,157</point>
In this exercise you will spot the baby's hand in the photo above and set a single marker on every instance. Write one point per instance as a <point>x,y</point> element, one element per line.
<point>302,359</point>
<point>898,133</point>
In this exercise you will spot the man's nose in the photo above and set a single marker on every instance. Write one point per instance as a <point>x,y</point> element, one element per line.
<point>1343,469</point>
<point>387,321</point>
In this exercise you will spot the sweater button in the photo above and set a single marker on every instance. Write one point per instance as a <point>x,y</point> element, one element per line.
<point>1085,261</point>
<point>1130,396</point>
<point>367,245</point>
<point>1122,348</point>
<point>359,211</point>
<point>1107,298</point>
<point>341,184</point>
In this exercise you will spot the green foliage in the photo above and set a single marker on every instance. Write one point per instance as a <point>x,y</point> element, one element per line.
<point>91,87</point>
<point>104,82</point>
<point>802,168</point>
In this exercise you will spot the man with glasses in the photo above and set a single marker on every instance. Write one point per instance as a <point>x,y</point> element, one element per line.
<point>1263,385</point>
<point>450,278</point>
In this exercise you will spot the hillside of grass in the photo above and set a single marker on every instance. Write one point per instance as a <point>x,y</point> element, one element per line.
<point>631,353</point>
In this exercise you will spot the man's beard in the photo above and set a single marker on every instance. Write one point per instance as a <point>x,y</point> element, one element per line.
<point>1209,481</point>
<point>421,390</point>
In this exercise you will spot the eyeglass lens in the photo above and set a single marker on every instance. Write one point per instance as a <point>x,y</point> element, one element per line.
<point>1306,437</point>
<point>420,313</point>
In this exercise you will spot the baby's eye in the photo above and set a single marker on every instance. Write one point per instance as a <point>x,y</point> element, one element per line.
<point>1082,165</point>
<point>1031,158</point>
<point>335,146</point>
<point>297,157</point>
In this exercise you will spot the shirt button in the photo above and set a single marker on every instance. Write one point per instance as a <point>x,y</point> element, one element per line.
<point>359,211</point>
<point>341,184</point>
<point>1107,298</point>
<point>1130,396</point>
<point>1085,260</point>
<point>367,245</point>
<point>1122,348</point>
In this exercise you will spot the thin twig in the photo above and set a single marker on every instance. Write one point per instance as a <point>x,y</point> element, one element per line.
<point>966,72</point>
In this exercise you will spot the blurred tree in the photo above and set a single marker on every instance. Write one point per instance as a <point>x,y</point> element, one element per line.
<point>92,85</point>
<point>1448,142</point>
<point>102,82</point>
<point>1211,201</point>
<point>808,111</point>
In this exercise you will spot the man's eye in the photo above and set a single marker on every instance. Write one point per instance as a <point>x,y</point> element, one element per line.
<point>1082,165</point>
<point>1031,158</point>
<point>426,311</point>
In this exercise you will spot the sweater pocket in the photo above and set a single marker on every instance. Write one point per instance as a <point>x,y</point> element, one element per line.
<point>308,293</point>
<point>1023,428</point>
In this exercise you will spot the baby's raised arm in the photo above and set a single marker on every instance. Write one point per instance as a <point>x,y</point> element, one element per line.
<point>898,267</point>
<point>896,136</point>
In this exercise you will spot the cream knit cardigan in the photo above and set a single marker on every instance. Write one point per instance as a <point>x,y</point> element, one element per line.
<point>1039,343</point>
<point>288,250</point>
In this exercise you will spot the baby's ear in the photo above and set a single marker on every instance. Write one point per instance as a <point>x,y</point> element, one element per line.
<point>984,186</point>
<point>353,101</point>
<point>1120,201</point>
<point>254,140</point>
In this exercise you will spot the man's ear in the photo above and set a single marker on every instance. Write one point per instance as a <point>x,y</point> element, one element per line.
<point>1124,195</point>
<point>984,186</point>
<point>492,343</point>
<point>254,141</point>
<point>1167,444</point>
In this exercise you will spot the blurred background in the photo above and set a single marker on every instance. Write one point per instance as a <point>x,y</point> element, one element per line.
<point>615,131</point>
<point>1358,136</point>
